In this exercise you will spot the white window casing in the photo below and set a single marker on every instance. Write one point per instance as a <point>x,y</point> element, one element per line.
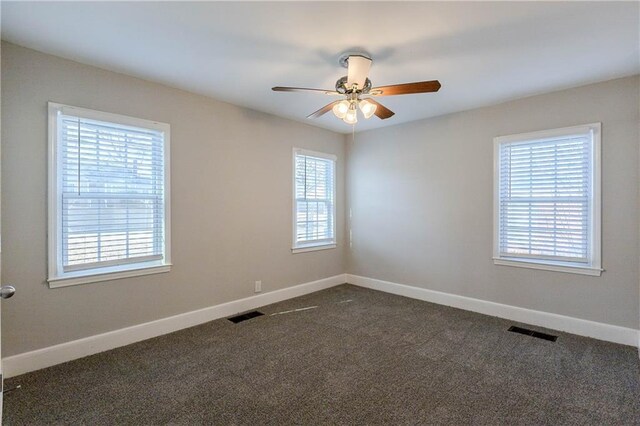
<point>109,196</point>
<point>547,201</point>
<point>314,208</point>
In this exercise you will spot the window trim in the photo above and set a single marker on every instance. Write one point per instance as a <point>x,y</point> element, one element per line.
<point>56,276</point>
<point>316,245</point>
<point>594,267</point>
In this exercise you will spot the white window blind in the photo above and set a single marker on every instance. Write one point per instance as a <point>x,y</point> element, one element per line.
<point>314,199</point>
<point>110,189</point>
<point>545,196</point>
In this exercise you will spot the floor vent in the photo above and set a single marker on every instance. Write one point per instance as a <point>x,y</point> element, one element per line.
<point>245,316</point>
<point>532,333</point>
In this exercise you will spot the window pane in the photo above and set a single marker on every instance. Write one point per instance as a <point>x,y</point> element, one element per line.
<point>545,198</point>
<point>112,193</point>
<point>314,181</point>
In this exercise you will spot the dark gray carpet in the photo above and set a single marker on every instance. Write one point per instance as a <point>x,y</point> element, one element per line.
<point>360,357</point>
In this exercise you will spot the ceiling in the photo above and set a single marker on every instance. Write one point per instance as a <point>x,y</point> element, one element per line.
<point>482,52</point>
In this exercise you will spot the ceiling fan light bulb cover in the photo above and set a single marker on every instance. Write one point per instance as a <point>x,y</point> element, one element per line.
<point>351,117</point>
<point>340,109</point>
<point>367,108</point>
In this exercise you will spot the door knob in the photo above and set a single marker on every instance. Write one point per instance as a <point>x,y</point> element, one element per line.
<point>6,291</point>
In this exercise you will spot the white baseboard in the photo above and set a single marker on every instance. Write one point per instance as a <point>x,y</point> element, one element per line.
<point>596,330</point>
<point>47,357</point>
<point>52,355</point>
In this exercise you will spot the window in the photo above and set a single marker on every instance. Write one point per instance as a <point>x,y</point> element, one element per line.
<point>314,225</point>
<point>547,200</point>
<point>108,196</point>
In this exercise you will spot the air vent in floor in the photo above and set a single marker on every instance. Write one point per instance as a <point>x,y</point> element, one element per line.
<point>245,316</point>
<point>532,333</point>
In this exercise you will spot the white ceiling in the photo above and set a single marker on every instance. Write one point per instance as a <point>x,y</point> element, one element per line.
<point>482,53</point>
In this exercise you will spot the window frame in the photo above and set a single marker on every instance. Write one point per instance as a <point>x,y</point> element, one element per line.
<point>313,246</point>
<point>56,276</point>
<point>594,266</point>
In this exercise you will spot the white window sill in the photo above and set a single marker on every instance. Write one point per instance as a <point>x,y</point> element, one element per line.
<point>107,274</point>
<point>549,266</point>
<point>305,249</point>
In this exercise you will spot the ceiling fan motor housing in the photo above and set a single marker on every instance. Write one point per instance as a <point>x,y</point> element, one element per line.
<point>341,86</point>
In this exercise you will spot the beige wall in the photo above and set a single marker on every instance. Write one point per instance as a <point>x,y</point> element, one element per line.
<point>422,202</point>
<point>421,195</point>
<point>231,201</point>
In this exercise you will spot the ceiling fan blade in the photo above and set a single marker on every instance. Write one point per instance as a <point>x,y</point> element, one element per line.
<point>406,89</point>
<point>322,111</point>
<point>357,70</point>
<point>382,112</point>
<point>303,89</point>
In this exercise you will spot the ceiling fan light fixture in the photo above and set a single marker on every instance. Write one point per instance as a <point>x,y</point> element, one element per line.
<point>351,117</point>
<point>367,108</point>
<point>341,108</point>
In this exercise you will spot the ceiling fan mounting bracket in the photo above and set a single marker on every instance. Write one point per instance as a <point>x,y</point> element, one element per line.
<point>344,58</point>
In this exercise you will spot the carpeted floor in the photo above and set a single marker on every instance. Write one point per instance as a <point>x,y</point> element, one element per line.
<point>360,357</point>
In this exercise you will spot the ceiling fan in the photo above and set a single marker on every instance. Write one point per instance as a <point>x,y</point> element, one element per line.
<point>358,92</point>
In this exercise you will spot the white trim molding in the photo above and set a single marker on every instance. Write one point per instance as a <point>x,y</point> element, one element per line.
<point>593,264</point>
<point>581,327</point>
<point>313,248</point>
<point>117,273</point>
<point>46,357</point>
<point>313,245</point>
<point>548,266</point>
<point>61,275</point>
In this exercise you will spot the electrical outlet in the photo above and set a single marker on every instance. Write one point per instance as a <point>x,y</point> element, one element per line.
<point>258,286</point>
